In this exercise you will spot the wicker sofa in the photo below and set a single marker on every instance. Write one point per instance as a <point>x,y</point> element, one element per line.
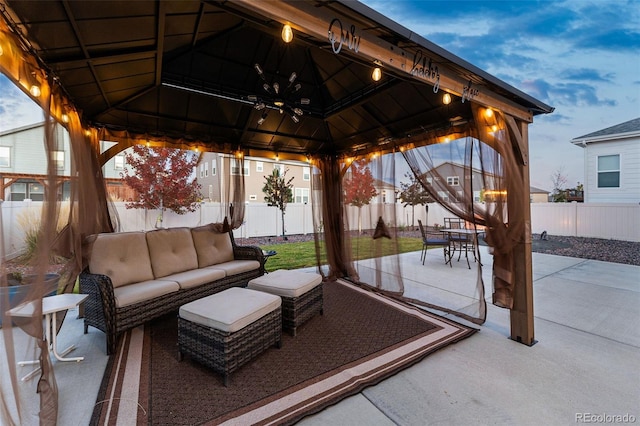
<point>133,277</point>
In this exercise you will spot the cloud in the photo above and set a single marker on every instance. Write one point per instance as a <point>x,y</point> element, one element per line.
<point>573,94</point>
<point>588,74</point>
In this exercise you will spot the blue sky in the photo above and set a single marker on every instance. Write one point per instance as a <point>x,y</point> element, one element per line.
<point>580,56</point>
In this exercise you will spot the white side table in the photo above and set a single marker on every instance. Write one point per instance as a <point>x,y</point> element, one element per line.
<point>50,306</point>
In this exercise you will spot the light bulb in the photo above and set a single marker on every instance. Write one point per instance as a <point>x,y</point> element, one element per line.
<point>35,90</point>
<point>377,74</point>
<point>287,33</point>
<point>488,113</point>
<point>446,99</point>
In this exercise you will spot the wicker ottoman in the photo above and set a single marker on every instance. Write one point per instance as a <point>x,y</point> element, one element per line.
<point>226,330</point>
<point>301,294</point>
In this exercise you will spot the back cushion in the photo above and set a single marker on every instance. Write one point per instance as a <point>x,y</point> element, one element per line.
<point>212,247</point>
<point>171,251</point>
<point>122,256</point>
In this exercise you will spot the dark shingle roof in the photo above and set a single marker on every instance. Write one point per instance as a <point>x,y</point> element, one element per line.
<point>626,127</point>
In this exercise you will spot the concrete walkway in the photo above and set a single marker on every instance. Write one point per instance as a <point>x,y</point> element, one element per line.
<point>586,362</point>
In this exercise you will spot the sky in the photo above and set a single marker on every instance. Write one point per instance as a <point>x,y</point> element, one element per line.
<point>581,57</point>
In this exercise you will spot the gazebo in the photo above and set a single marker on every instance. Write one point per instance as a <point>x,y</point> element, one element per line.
<point>323,82</point>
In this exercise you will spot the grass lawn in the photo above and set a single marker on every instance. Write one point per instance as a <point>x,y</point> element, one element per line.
<point>303,254</point>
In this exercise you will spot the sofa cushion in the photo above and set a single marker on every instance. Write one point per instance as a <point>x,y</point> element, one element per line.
<point>212,247</point>
<point>146,290</point>
<point>171,251</point>
<point>122,256</point>
<point>195,277</point>
<point>236,266</point>
<point>230,310</point>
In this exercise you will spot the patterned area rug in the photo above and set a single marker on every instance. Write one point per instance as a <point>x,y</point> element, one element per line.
<point>362,338</point>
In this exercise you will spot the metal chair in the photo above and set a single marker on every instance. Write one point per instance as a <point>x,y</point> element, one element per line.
<point>460,242</point>
<point>433,240</point>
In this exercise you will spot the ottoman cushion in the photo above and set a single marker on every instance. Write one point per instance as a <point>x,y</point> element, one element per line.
<point>286,283</point>
<point>230,310</point>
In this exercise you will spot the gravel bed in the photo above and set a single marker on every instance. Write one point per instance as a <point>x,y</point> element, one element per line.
<point>626,252</point>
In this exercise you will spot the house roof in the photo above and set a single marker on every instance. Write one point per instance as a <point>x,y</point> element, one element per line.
<point>627,129</point>
<point>534,190</point>
<point>186,70</point>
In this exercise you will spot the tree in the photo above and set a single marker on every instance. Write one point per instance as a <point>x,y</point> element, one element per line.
<point>164,178</point>
<point>278,193</point>
<point>413,194</point>
<point>359,189</point>
<point>559,180</point>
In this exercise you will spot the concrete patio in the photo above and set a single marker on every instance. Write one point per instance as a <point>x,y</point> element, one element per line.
<point>584,367</point>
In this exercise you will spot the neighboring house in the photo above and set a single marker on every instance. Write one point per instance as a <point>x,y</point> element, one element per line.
<point>455,176</point>
<point>387,193</point>
<point>255,169</point>
<point>23,163</point>
<point>538,195</point>
<point>612,163</point>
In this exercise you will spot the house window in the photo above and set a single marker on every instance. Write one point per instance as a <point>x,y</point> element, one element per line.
<point>302,195</point>
<point>384,197</point>
<point>58,159</point>
<point>259,166</point>
<point>476,196</point>
<point>453,180</point>
<point>279,167</point>
<point>118,162</point>
<point>214,168</point>
<point>36,191</point>
<point>201,171</point>
<point>18,191</point>
<point>206,169</point>
<point>235,167</point>
<point>609,171</point>
<point>5,156</point>
<point>443,195</point>
<point>306,174</point>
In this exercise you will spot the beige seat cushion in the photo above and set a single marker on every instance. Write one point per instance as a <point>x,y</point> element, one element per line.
<point>236,266</point>
<point>212,247</point>
<point>286,283</point>
<point>122,256</point>
<point>230,310</point>
<point>171,251</point>
<point>196,277</point>
<point>139,292</point>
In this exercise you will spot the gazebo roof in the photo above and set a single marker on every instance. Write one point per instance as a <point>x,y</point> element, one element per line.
<point>187,70</point>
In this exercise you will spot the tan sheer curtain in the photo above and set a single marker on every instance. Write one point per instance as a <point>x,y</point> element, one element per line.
<point>483,149</point>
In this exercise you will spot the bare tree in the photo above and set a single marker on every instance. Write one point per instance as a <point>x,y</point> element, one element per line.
<point>559,180</point>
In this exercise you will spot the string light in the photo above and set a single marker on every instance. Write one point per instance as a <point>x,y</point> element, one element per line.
<point>446,99</point>
<point>376,75</point>
<point>287,33</point>
<point>488,113</point>
<point>35,90</point>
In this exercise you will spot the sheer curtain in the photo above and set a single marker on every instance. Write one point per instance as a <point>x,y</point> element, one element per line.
<point>482,150</point>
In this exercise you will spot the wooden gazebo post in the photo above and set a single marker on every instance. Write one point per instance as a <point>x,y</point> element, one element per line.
<point>522,328</point>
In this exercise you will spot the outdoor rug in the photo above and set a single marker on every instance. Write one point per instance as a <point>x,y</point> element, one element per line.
<point>362,338</point>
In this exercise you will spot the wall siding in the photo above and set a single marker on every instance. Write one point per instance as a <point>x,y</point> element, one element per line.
<point>629,190</point>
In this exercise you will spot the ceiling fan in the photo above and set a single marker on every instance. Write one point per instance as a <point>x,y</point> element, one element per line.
<point>277,98</point>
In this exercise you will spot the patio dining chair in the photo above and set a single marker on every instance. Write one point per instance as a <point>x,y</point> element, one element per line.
<point>460,242</point>
<point>433,239</point>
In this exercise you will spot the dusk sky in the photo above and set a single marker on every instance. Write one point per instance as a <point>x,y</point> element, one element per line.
<point>581,57</point>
